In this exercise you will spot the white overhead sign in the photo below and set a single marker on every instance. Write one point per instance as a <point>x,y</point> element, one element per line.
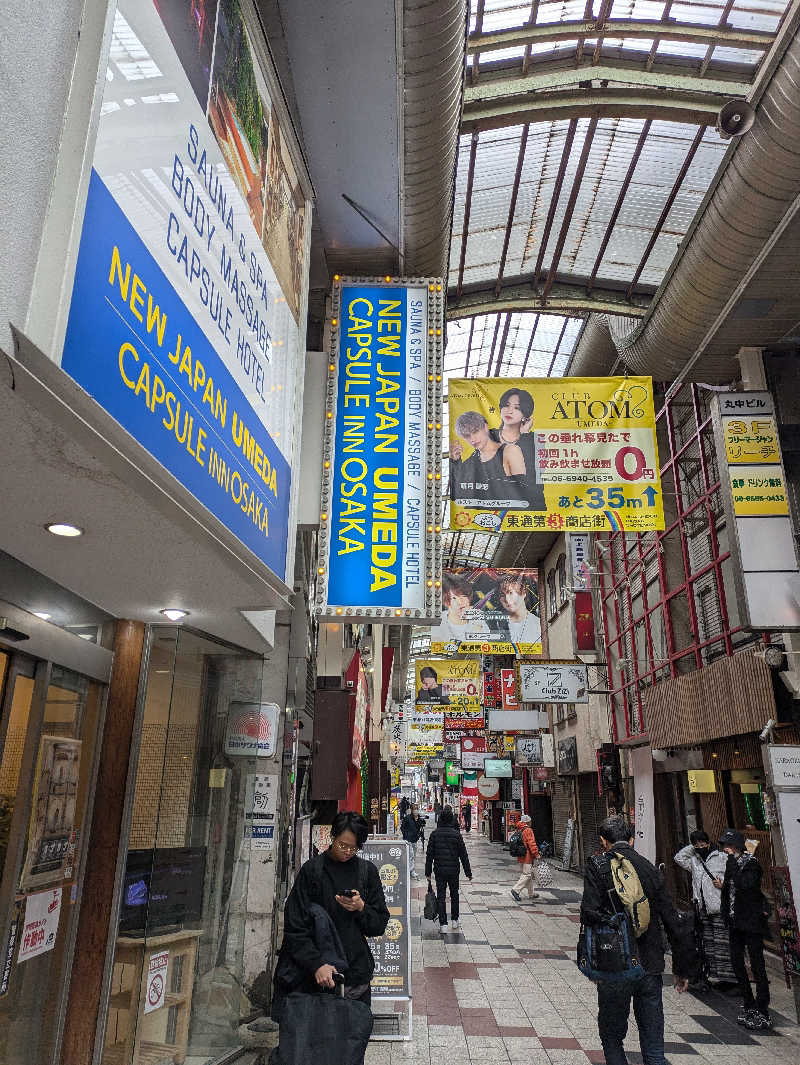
<point>553,682</point>
<point>784,763</point>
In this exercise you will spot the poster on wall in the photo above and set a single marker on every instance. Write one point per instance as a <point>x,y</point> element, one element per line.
<point>155,992</point>
<point>187,315</point>
<point>489,611</point>
<point>380,487</point>
<point>52,830</point>
<point>537,453</point>
<point>40,928</point>
<point>449,682</point>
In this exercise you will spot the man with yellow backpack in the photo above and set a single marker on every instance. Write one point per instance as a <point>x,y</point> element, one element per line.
<point>621,888</point>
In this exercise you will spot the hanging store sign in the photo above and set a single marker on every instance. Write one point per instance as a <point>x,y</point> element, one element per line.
<point>765,564</point>
<point>489,611</point>
<point>528,751</point>
<point>381,480</point>
<point>701,781</point>
<point>473,752</point>
<point>568,756</point>
<point>447,682</point>
<point>188,307</point>
<point>578,454</point>
<point>580,550</point>
<point>488,787</point>
<point>553,682</point>
<point>508,688</point>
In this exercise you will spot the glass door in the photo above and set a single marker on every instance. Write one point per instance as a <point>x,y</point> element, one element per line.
<point>50,721</point>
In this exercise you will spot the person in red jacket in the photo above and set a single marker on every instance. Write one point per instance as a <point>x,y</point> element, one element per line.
<point>527,860</point>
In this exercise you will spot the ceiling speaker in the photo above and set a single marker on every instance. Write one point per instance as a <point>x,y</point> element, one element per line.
<point>735,118</point>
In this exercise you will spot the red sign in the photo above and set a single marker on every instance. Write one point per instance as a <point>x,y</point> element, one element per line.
<point>475,744</point>
<point>508,681</point>
<point>584,622</point>
<point>466,725</point>
<point>540,773</point>
<point>489,691</point>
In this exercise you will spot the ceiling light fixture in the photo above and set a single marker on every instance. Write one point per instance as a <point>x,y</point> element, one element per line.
<point>175,614</point>
<point>63,528</point>
<point>42,614</point>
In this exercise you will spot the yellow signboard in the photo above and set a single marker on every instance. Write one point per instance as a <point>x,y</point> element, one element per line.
<point>758,491</point>
<point>447,682</point>
<point>576,453</point>
<point>751,440</point>
<point>702,780</point>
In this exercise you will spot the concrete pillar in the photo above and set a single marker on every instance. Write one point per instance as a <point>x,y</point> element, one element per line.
<point>751,365</point>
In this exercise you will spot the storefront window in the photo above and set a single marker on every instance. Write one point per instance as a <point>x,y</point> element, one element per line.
<point>50,721</point>
<point>199,875</point>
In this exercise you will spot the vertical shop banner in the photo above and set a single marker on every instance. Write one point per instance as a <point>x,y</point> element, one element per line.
<point>381,474</point>
<point>508,688</point>
<point>765,571</point>
<point>644,802</point>
<point>578,454</point>
<point>489,611</point>
<point>186,315</point>
<point>392,950</point>
<point>454,682</point>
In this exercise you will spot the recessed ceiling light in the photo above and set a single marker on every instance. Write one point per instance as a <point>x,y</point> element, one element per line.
<point>174,614</point>
<point>42,614</point>
<point>62,528</point>
<point>85,635</point>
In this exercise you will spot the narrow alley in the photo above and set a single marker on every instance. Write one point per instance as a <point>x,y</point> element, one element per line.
<point>506,988</point>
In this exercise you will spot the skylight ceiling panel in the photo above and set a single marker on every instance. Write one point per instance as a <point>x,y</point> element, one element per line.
<point>560,11</point>
<point>700,14</point>
<point>737,55</point>
<point>762,15</point>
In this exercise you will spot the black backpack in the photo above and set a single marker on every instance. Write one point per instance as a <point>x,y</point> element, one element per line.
<point>608,952</point>
<point>516,845</point>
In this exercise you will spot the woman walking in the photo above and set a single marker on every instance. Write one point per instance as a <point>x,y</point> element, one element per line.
<point>446,852</point>
<point>526,860</point>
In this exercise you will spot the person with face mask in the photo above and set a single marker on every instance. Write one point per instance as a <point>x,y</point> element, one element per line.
<point>707,866</point>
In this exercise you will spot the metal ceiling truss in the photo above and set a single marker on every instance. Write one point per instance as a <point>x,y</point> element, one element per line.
<point>566,295</point>
<point>619,29</point>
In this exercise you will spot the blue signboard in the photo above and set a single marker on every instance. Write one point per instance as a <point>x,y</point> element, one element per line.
<point>376,556</point>
<point>134,347</point>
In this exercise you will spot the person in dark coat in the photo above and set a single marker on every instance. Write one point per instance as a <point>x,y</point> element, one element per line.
<point>412,829</point>
<point>614,999</point>
<point>467,814</point>
<point>446,852</point>
<point>336,883</point>
<point>744,913</point>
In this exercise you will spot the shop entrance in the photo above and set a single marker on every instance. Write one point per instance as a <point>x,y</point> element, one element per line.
<point>51,713</point>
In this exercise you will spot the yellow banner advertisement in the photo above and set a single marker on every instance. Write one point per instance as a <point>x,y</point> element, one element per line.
<point>751,440</point>
<point>758,491</point>
<point>447,682</point>
<point>576,453</point>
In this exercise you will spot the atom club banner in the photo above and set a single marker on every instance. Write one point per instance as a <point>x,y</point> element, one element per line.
<point>576,453</point>
<point>447,682</point>
<point>489,611</point>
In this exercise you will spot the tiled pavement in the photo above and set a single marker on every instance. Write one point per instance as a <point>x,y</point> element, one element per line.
<point>506,988</point>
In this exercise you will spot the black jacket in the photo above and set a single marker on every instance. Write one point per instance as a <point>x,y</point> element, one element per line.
<point>743,882</point>
<point>411,828</point>
<point>314,884</point>
<point>445,849</point>
<point>597,905</point>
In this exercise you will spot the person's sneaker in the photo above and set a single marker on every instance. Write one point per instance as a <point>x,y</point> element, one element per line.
<point>455,926</point>
<point>516,895</point>
<point>444,928</point>
<point>744,1015</point>
<point>758,1021</point>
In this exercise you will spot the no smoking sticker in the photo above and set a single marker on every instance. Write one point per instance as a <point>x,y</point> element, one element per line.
<point>156,990</point>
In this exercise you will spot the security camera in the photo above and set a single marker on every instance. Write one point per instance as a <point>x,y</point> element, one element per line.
<point>766,733</point>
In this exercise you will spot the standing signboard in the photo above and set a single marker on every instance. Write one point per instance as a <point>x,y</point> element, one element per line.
<point>763,552</point>
<point>391,980</point>
<point>187,319</point>
<point>381,479</point>
<point>530,453</point>
<point>566,850</point>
